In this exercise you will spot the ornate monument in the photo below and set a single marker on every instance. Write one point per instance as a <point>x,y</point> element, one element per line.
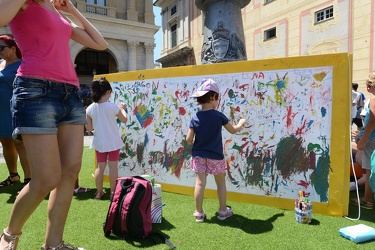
<point>223,30</point>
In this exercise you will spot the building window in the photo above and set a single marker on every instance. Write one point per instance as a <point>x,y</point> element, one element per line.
<point>97,2</point>
<point>324,14</point>
<point>173,10</point>
<point>268,1</point>
<point>97,7</point>
<point>269,34</point>
<point>174,35</point>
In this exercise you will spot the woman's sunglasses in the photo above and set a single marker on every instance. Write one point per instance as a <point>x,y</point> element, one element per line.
<point>2,47</point>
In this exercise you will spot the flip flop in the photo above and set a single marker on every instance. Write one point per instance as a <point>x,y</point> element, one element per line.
<point>80,189</point>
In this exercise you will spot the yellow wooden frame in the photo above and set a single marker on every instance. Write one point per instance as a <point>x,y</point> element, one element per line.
<point>340,128</point>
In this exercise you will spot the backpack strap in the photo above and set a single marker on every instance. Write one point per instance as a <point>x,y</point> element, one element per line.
<point>129,187</point>
<point>163,238</point>
<point>113,206</point>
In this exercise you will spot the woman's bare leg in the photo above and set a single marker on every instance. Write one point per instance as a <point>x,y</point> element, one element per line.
<point>70,143</point>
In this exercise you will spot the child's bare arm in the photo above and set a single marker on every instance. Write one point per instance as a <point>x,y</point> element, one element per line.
<point>370,126</point>
<point>190,136</point>
<point>89,126</point>
<point>234,129</point>
<point>122,115</point>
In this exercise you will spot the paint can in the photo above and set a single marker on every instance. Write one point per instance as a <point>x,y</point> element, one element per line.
<point>304,215</point>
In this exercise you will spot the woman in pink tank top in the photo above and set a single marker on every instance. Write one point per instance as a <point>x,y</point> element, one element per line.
<point>48,115</point>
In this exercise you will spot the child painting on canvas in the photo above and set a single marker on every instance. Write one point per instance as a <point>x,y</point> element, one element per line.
<point>207,152</point>
<point>101,118</point>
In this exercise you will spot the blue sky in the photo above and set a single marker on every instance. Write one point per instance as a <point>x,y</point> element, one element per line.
<point>158,34</point>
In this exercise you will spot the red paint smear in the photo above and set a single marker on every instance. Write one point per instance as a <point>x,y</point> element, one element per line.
<point>147,122</point>
<point>258,76</point>
<point>303,183</point>
<point>289,117</point>
<point>178,167</point>
<point>243,146</point>
<point>299,130</point>
<point>177,94</point>
<point>182,110</point>
<point>136,109</point>
<point>243,86</point>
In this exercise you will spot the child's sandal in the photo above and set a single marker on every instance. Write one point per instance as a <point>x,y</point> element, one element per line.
<point>223,215</point>
<point>99,195</point>
<point>364,204</point>
<point>11,239</point>
<point>199,217</point>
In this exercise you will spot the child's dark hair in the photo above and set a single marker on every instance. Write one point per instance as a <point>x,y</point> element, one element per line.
<point>99,88</point>
<point>206,98</point>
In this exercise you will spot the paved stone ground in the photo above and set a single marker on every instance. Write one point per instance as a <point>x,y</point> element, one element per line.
<point>87,141</point>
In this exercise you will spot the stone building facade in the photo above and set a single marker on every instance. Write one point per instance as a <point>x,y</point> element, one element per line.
<point>278,28</point>
<point>129,28</point>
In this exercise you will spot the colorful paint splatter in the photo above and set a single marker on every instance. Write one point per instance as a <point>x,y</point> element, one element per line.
<point>285,146</point>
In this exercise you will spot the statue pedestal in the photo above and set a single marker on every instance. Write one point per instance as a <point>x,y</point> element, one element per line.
<point>223,30</point>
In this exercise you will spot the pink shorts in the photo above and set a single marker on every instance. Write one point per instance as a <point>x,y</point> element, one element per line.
<point>111,156</point>
<point>208,166</point>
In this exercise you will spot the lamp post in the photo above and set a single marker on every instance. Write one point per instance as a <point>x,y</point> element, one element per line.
<point>223,30</point>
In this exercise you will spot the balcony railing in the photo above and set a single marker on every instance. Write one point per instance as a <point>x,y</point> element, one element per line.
<point>96,9</point>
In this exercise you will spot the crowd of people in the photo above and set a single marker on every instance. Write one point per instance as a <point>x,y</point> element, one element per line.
<point>364,139</point>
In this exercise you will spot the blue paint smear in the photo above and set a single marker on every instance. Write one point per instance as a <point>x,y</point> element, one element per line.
<point>310,123</point>
<point>280,85</point>
<point>323,111</point>
<point>277,184</point>
<point>146,140</point>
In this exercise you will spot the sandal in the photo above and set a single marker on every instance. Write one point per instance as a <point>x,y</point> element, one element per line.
<point>223,215</point>
<point>99,195</point>
<point>11,239</point>
<point>62,246</point>
<point>364,204</point>
<point>25,182</point>
<point>80,189</point>
<point>8,181</point>
<point>199,217</point>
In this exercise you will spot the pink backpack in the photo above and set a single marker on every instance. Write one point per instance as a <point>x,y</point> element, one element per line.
<point>129,212</point>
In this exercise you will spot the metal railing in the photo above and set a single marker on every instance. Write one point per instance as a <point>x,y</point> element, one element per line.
<point>96,9</point>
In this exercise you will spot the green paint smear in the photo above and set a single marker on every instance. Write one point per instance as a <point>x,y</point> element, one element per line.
<point>255,169</point>
<point>319,178</point>
<point>291,157</point>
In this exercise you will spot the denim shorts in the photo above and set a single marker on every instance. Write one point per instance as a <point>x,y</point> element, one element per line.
<point>40,106</point>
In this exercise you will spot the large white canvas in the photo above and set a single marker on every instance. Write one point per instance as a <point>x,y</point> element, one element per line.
<point>284,147</point>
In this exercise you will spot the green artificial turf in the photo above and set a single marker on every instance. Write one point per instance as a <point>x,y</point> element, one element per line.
<point>251,227</point>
